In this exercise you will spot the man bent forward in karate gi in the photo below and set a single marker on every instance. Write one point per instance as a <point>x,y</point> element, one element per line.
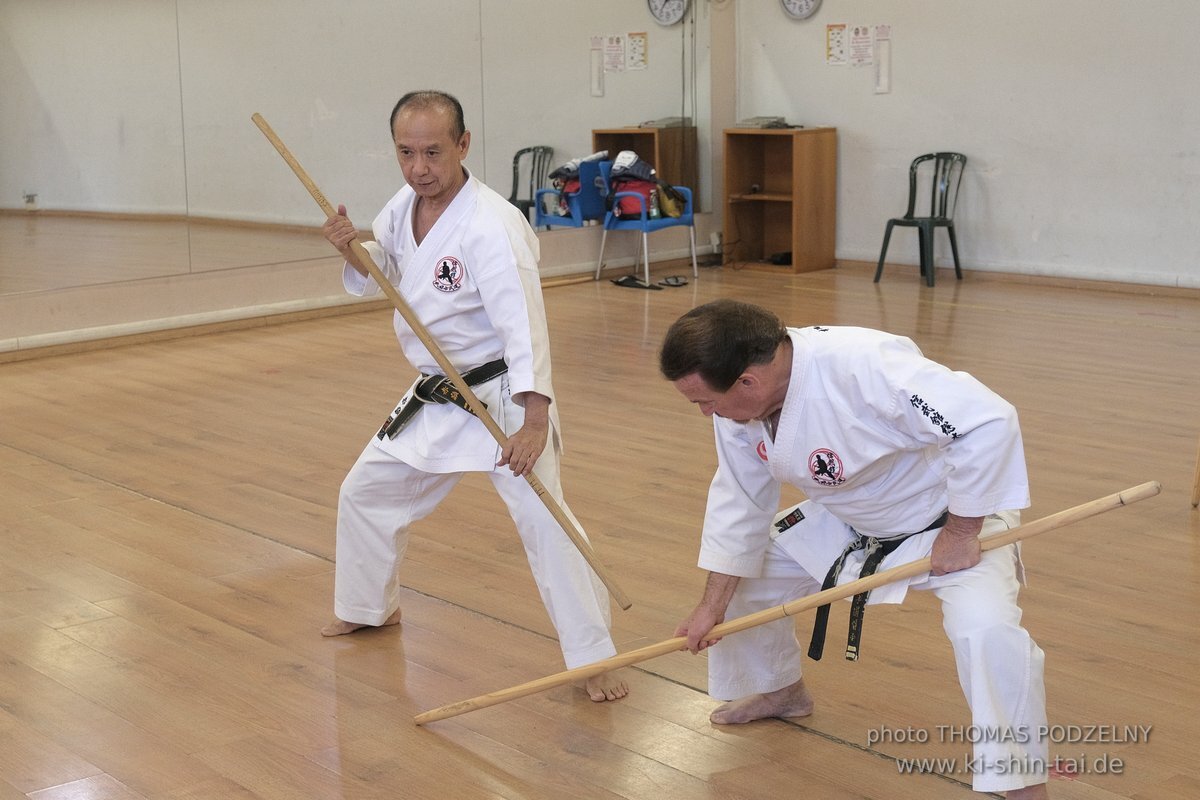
<point>901,458</point>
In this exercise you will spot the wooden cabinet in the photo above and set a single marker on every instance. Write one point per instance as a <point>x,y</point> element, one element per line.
<point>780,198</point>
<point>671,151</point>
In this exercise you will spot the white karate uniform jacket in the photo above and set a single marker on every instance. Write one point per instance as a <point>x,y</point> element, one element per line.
<point>474,284</point>
<point>882,440</point>
<point>878,435</point>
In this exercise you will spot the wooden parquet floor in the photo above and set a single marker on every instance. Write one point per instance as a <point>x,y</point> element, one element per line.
<point>166,545</point>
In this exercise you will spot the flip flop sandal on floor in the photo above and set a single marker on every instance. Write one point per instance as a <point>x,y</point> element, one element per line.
<point>634,283</point>
<point>674,280</point>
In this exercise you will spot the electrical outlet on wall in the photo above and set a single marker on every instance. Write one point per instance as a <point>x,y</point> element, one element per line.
<point>31,201</point>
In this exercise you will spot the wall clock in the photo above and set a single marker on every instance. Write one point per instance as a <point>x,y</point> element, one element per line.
<point>667,12</point>
<point>800,9</point>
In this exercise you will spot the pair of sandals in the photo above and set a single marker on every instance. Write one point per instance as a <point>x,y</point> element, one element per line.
<point>633,283</point>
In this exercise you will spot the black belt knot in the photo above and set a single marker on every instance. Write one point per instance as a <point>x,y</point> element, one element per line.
<point>876,551</point>
<point>439,389</point>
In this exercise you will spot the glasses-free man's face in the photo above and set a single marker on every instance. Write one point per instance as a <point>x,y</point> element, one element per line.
<point>429,155</point>
<point>744,401</point>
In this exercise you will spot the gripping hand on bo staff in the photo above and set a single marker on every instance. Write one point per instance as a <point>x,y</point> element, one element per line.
<point>524,447</point>
<point>957,545</point>
<point>340,231</point>
<point>709,613</point>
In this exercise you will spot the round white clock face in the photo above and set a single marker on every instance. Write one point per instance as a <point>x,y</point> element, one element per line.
<point>667,12</point>
<point>801,9</point>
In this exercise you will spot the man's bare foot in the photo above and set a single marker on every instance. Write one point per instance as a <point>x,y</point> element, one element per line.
<point>790,701</point>
<point>606,686</point>
<point>1038,792</point>
<point>339,627</point>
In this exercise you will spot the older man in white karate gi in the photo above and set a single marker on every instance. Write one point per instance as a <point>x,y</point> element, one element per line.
<point>901,458</point>
<point>465,260</point>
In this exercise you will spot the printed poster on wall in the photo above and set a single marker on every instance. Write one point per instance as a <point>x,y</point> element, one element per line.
<point>635,50</point>
<point>862,46</point>
<point>835,44</point>
<point>614,53</point>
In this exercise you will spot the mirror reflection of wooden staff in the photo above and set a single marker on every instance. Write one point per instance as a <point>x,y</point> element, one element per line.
<point>364,260</point>
<point>1066,517</point>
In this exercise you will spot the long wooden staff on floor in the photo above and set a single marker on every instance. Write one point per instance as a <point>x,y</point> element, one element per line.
<point>1070,515</point>
<point>363,259</point>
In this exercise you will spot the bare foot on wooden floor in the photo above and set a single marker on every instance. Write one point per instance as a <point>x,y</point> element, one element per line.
<point>790,701</point>
<point>606,686</point>
<point>340,627</point>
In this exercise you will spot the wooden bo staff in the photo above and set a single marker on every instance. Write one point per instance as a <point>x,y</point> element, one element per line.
<point>1070,515</point>
<point>363,259</point>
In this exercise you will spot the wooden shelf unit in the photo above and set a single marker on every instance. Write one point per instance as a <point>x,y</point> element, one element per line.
<point>671,151</point>
<point>780,197</point>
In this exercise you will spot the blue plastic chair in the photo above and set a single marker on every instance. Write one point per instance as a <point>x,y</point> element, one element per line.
<point>647,224</point>
<point>585,205</point>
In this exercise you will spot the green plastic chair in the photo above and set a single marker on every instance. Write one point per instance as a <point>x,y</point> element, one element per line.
<point>947,169</point>
<point>539,158</point>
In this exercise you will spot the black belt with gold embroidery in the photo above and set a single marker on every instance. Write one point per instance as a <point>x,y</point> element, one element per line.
<point>439,389</point>
<point>876,551</point>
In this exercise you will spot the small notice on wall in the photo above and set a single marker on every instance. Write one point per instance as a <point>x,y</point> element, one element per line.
<point>883,59</point>
<point>862,49</point>
<point>635,50</point>
<point>596,65</point>
<point>835,43</point>
<point>614,53</point>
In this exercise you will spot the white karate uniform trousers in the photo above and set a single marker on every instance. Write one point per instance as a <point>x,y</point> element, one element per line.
<point>381,497</point>
<point>1000,668</point>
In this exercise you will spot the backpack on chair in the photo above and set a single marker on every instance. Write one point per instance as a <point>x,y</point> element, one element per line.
<point>630,173</point>
<point>671,201</point>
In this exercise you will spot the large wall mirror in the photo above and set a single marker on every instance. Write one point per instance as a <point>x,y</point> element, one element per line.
<point>127,150</point>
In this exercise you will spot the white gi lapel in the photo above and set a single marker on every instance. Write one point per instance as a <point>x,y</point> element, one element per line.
<point>431,265</point>
<point>783,449</point>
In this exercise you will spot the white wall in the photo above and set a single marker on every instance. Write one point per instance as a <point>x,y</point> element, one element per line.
<point>108,100</point>
<point>1079,118</point>
<point>145,105</point>
<point>325,76</point>
<point>90,106</point>
<point>537,85</point>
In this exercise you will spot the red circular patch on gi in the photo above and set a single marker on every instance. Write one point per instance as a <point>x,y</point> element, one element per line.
<point>448,274</point>
<point>826,467</point>
<point>762,450</point>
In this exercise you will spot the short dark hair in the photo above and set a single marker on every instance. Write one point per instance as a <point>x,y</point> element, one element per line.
<point>431,98</point>
<point>718,341</point>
